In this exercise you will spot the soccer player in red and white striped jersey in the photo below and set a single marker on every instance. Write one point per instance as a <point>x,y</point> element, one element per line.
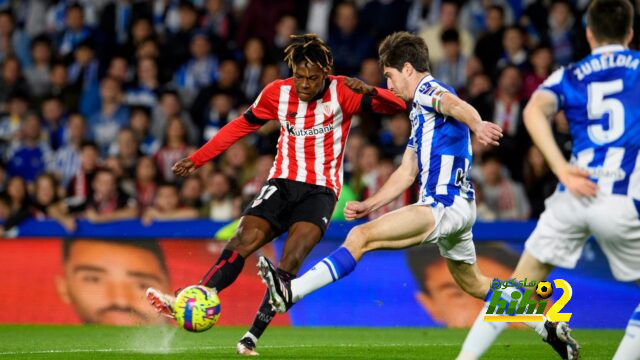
<point>315,111</point>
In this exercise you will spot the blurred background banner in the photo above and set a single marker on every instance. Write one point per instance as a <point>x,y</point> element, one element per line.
<point>102,280</point>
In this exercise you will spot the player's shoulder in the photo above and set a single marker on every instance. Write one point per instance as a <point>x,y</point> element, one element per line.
<point>430,89</point>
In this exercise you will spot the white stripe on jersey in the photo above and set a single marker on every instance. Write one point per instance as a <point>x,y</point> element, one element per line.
<point>612,162</point>
<point>318,165</point>
<point>283,106</point>
<point>446,166</point>
<point>300,157</point>
<point>425,154</point>
<point>584,158</point>
<point>337,135</point>
<point>465,194</point>
<point>634,180</point>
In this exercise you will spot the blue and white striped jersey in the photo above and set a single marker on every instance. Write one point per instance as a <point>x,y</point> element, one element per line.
<point>442,144</point>
<point>601,98</point>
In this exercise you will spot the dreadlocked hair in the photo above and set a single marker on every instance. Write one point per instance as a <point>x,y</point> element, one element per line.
<point>309,48</point>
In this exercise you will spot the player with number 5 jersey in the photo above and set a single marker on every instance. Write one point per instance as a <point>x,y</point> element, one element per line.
<point>599,190</point>
<point>314,110</point>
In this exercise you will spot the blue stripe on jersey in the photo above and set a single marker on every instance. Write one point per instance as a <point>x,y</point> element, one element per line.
<point>636,203</point>
<point>622,186</point>
<point>599,156</point>
<point>419,143</point>
<point>434,164</point>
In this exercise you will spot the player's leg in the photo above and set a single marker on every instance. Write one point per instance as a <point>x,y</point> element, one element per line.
<point>399,229</point>
<point>301,239</point>
<point>629,348</point>
<point>252,233</point>
<point>556,241</point>
<point>619,238</point>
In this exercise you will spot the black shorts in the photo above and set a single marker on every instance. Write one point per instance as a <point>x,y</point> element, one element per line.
<point>285,202</point>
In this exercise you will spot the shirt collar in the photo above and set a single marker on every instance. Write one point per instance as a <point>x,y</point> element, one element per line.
<point>608,48</point>
<point>426,78</point>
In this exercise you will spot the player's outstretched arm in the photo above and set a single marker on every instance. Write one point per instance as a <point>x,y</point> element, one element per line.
<point>375,99</point>
<point>227,136</point>
<point>487,132</point>
<point>537,114</point>
<point>398,182</point>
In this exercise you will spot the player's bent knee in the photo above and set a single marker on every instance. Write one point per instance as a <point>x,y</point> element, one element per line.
<point>357,241</point>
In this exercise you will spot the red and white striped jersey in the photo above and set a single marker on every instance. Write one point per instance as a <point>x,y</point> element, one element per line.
<point>313,134</point>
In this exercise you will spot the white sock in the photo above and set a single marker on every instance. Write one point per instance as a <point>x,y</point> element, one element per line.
<point>337,265</point>
<point>251,336</point>
<point>483,334</point>
<point>629,347</point>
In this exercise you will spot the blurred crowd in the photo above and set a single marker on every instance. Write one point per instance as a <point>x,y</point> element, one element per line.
<point>98,98</point>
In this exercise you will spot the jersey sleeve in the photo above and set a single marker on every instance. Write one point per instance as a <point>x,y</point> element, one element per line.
<point>265,107</point>
<point>384,102</point>
<point>429,96</point>
<point>554,85</point>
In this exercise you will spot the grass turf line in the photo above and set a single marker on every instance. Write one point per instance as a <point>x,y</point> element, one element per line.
<point>104,342</point>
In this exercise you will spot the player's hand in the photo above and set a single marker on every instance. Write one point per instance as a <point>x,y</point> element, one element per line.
<point>577,181</point>
<point>92,215</point>
<point>488,133</point>
<point>184,167</point>
<point>358,86</point>
<point>355,210</point>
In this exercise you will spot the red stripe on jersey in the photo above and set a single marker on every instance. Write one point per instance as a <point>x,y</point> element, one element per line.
<point>310,145</point>
<point>294,103</point>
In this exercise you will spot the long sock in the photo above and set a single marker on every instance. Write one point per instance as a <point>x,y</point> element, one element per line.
<point>629,347</point>
<point>265,312</point>
<point>483,334</point>
<point>332,268</point>
<point>225,271</point>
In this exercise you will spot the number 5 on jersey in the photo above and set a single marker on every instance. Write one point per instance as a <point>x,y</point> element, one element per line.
<point>265,194</point>
<point>598,106</point>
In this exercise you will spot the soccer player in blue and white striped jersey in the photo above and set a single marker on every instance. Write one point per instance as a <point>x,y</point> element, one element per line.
<point>599,191</point>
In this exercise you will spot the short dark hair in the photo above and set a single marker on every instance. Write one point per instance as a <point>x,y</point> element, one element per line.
<point>497,8</point>
<point>450,35</point>
<point>149,245</point>
<point>402,47</point>
<point>610,20</point>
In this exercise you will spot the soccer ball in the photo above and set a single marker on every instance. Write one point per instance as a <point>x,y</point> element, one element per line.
<point>197,308</point>
<point>544,289</point>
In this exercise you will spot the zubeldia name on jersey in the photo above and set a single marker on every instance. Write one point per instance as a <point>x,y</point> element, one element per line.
<point>604,62</point>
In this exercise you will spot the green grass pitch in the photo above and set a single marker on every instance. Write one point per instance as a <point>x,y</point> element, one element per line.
<point>102,342</point>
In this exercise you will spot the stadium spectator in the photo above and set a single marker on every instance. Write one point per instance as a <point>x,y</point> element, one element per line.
<point>13,41</point>
<point>104,280</point>
<point>538,180</point>
<point>190,192</point>
<point>370,72</point>
<point>260,18</point>
<point>126,151</point>
<point>220,112</point>
<point>200,71</point>
<point>228,81</point>
<point>104,124</point>
<point>38,73</point>
<point>66,160</point>
<point>140,121</point>
<point>503,196</point>
<point>349,44</point>
<point>167,206</point>
<point>515,52</point>
<point>447,20</point>
<point>541,61</point>
<point>11,80</point>
<point>394,14</point>
<point>254,57</point>
<point>177,44</point>
<point>263,165</point>
<point>383,171</point>
<point>146,182</point>
<point>53,121</point>
<point>107,203</point>
<point>221,204</point>
<point>451,69</point>
<point>60,87</point>
<point>238,162</point>
<point>79,187</point>
<point>83,71</point>
<point>489,45</point>
<point>394,137</point>
<point>11,121</point>
<point>74,32</point>
<point>318,17</point>
<point>219,23</point>
<point>144,91</point>
<point>173,149</point>
<point>286,26</point>
<point>16,198</point>
<point>45,199</point>
<point>29,155</point>
<point>562,32</point>
<point>364,174</point>
<point>171,106</point>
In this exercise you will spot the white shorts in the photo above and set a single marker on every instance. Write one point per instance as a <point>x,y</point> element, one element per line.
<point>452,232</point>
<point>568,221</point>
